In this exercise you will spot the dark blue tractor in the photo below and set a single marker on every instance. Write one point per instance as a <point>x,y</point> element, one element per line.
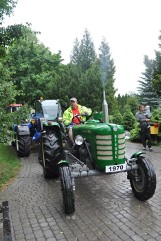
<point>45,117</point>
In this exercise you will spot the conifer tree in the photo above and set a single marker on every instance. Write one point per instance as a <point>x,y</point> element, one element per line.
<point>147,93</point>
<point>83,54</point>
<point>128,120</point>
<point>117,117</point>
<point>157,71</point>
<point>75,55</point>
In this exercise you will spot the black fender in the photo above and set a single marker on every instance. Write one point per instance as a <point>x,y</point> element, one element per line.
<point>54,126</point>
<point>23,130</point>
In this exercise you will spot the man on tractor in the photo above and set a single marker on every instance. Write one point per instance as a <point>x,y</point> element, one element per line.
<point>75,115</point>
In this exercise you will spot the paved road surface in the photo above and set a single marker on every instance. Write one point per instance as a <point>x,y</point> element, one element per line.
<point>105,206</point>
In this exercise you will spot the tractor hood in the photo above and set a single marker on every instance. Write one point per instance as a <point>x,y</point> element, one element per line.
<point>94,127</point>
<point>106,141</point>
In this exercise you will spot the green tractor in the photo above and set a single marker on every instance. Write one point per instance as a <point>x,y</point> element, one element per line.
<point>99,149</point>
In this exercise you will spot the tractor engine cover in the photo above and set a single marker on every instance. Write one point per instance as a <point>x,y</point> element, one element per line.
<point>107,142</point>
<point>23,130</point>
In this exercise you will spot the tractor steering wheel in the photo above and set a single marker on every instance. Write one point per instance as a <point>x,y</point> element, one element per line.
<point>78,118</point>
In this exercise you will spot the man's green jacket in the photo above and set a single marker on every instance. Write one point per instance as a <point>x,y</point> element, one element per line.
<point>68,114</point>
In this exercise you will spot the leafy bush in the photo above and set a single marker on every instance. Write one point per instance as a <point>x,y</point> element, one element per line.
<point>111,118</point>
<point>156,117</point>
<point>135,132</point>
<point>117,117</point>
<point>8,119</point>
<point>128,120</point>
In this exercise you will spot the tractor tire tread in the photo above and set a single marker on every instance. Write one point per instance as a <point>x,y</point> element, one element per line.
<point>67,190</point>
<point>150,182</point>
<point>52,155</point>
<point>24,143</point>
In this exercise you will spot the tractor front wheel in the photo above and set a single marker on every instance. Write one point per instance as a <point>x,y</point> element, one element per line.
<point>143,180</point>
<point>53,153</point>
<point>67,190</point>
<point>23,144</point>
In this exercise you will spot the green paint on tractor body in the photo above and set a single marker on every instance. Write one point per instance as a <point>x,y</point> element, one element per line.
<point>107,142</point>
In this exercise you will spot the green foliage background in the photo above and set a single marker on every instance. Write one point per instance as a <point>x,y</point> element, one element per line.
<point>29,70</point>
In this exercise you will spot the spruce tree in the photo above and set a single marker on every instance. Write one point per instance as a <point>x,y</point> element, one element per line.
<point>117,117</point>
<point>147,94</point>
<point>128,120</point>
<point>75,55</point>
<point>157,71</point>
<point>87,54</point>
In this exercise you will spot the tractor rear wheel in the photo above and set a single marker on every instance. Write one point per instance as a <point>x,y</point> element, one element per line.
<point>53,153</point>
<point>67,190</point>
<point>144,184</point>
<point>23,144</point>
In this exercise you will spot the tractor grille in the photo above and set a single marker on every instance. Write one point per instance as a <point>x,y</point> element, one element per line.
<point>104,142</point>
<point>104,146</point>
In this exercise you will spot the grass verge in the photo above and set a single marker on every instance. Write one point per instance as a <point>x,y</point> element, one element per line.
<point>9,164</point>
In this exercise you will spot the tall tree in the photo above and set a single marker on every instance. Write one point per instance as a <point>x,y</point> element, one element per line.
<point>157,71</point>
<point>87,51</point>
<point>84,52</point>
<point>147,94</point>
<point>91,91</point>
<point>6,8</point>
<point>7,88</point>
<point>122,101</point>
<point>86,70</point>
<point>75,55</point>
<point>9,35</point>
<point>32,66</point>
<point>132,103</point>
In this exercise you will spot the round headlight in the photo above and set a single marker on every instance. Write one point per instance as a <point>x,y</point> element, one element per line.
<point>115,128</point>
<point>79,140</point>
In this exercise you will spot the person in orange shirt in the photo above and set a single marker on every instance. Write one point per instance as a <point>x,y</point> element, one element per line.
<point>69,119</point>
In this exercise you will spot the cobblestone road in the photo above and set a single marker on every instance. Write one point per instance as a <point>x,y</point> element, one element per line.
<point>105,206</point>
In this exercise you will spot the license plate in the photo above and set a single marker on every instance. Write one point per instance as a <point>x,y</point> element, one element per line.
<point>116,168</point>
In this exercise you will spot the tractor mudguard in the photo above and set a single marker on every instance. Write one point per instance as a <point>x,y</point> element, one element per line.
<point>63,162</point>
<point>136,154</point>
<point>23,130</point>
<point>51,125</point>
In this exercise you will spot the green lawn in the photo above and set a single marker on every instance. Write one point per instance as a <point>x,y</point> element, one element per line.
<point>9,164</point>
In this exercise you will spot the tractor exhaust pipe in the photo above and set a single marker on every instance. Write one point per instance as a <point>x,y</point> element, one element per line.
<point>105,109</point>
